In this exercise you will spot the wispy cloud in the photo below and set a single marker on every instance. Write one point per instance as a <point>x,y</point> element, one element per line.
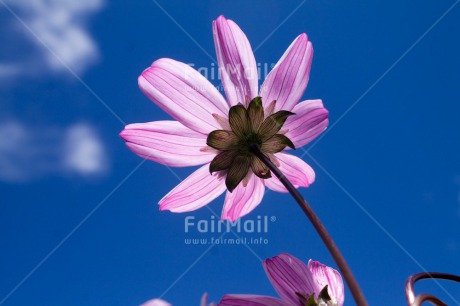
<point>58,24</point>
<point>9,70</point>
<point>83,152</point>
<point>28,153</point>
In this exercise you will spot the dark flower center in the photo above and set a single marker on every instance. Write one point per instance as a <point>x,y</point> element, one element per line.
<point>249,128</point>
<point>246,143</point>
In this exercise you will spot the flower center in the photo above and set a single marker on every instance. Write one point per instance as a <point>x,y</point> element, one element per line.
<point>249,128</point>
<point>248,142</point>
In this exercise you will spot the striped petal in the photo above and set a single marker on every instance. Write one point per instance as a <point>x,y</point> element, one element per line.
<point>204,301</point>
<point>250,300</point>
<point>276,144</point>
<point>324,275</point>
<point>288,80</point>
<point>197,190</point>
<point>167,142</point>
<point>237,65</point>
<point>237,171</point>
<point>295,169</point>
<point>310,120</point>
<point>289,275</point>
<point>243,199</point>
<point>184,94</point>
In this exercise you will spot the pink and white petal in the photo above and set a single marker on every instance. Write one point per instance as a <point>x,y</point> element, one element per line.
<point>310,120</point>
<point>183,93</point>
<point>243,200</point>
<point>324,275</point>
<point>156,302</point>
<point>197,190</point>
<point>204,301</point>
<point>250,300</point>
<point>289,275</point>
<point>167,142</point>
<point>237,64</point>
<point>295,169</point>
<point>288,80</point>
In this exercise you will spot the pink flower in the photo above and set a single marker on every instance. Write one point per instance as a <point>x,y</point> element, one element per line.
<point>296,283</point>
<point>159,302</point>
<point>216,132</point>
<point>156,302</point>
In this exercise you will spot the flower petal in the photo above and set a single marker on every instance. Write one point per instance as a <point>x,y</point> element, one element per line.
<point>197,190</point>
<point>310,120</point>
<point>222,140</point>
<point>238,171</point>
<point>168,143</point>
<point>295,169</point>
<point>273,123</point>
<point>288,80</point>
<point>239,120</point>
<point>204,301</point>
<point>289,275</point>
<point>250,300</point>
<point>324,275</point>
<point>237,65</point>
<point>243,199</point>
<point>260,169</point>
<point>256,113</point>
<point>276,144</point>
<point>183,93</point>
<point>156,302</point>
<point>223,160</point>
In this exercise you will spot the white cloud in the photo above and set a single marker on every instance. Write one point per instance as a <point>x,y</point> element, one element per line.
<point>28,153</point>
<point>83,152</point>
<point>12,139</point>
<point>60,25</point>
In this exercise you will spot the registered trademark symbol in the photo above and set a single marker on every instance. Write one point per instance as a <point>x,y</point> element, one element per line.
<point>272,218</point>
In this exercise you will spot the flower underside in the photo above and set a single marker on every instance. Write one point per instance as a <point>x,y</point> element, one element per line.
<point>324,299</point>
<point>250,128</point>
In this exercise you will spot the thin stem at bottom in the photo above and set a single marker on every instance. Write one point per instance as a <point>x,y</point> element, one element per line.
<point>327,239</point>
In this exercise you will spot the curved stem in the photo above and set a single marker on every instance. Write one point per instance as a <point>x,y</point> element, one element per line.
<point>418,300</point>
<point>330,244</point>
<point>422,298</point>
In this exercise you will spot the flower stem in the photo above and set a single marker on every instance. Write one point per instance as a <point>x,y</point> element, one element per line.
<point>327,239</point>
<point>413,300</point>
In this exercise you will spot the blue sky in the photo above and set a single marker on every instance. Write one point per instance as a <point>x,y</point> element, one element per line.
<point>79,224</point>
